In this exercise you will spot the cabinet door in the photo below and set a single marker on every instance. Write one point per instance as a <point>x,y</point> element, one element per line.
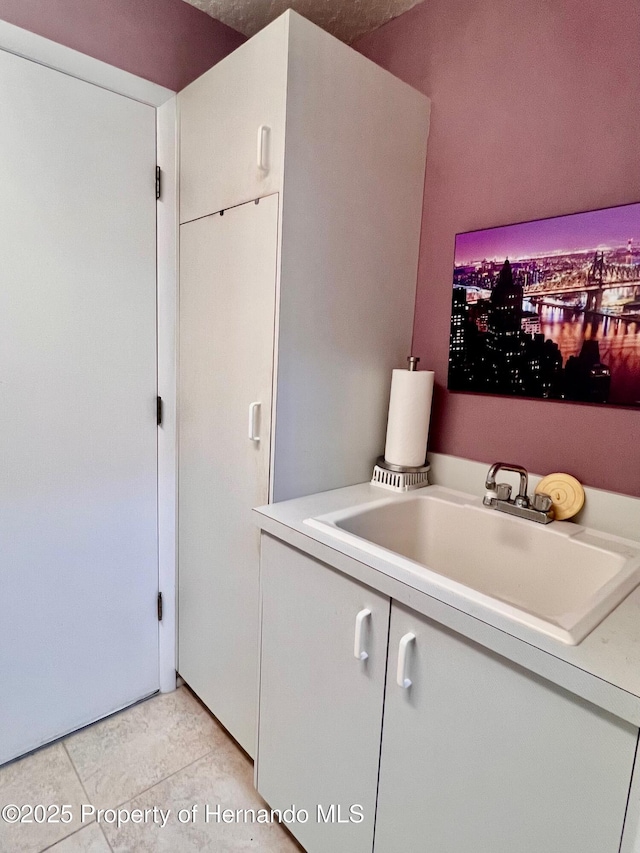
<point>232,127</point>
<point>479,756</point>
<point>227,303</point>
<point>320,706</point>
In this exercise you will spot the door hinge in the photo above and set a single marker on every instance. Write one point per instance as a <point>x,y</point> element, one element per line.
<point>158,182</point>
<point>159,411</point>
<point>159,607</point>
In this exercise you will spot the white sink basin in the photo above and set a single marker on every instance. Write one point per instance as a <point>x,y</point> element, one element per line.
<point>560,579</point>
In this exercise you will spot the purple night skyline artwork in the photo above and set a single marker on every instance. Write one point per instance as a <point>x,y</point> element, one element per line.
<point>550,309</point>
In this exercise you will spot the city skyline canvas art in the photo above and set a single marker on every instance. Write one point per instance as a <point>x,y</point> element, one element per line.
<point>550,309</point>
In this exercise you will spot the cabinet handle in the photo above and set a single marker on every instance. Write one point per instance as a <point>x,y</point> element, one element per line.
<point>263,147</point>
<point>358,652</point>
<point>401,678</point>
<point>254,408</point>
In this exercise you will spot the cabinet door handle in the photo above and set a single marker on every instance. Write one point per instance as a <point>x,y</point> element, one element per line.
<point>358,652</point>
<point>254,408</point>
<point>401,676</point>
<point>263,147</point>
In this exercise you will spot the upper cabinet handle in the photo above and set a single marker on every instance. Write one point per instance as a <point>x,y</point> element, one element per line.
<point>401,676</point>
<point>358,652</point>
<point>254,408</point>
<point>263,147</point>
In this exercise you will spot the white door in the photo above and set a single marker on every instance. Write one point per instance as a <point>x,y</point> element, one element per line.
<point>78,448</point>
<point>227,305</point>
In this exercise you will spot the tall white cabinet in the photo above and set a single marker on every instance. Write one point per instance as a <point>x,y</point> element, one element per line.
<point>227,313</point>
<point>301,183</point>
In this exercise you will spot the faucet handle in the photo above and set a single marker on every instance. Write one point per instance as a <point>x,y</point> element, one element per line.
<point>503,492</point>
<point>542,502</point>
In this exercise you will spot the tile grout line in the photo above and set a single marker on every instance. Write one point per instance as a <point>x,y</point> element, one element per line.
<point>76,774</point>
<point>120,804</point>
<point>51,846</point>
<point>75,770</point>
<point>104,835</point>
<point>75,832</point>
<point>151,787</point>
<point>89,800</point>
<point>86,798</point>
<point>178,769</point>
<point>206,752</point>
<point>164,779</point>
<point>84,790</point>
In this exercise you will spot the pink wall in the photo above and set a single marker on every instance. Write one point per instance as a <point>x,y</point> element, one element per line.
<point>535,112</point>
<point>166,41</point>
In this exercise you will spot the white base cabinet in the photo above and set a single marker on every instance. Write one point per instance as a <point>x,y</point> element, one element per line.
<point>477,754</point>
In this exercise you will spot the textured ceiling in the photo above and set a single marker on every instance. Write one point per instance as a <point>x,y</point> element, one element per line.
<point>346,20</point>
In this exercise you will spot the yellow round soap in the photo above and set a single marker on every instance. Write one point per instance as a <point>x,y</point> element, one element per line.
<point>566,493</point>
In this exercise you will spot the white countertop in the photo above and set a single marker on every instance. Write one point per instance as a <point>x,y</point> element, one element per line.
<point>604,668</point>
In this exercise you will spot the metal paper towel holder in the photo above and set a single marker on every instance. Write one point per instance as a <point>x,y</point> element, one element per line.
<point>401,478</point>
<point>398,477</point>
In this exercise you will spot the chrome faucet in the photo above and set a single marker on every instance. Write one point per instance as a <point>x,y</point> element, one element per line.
<point>498,496</point>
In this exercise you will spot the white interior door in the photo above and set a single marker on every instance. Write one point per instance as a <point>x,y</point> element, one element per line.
<point>227,304</point>
<point>78,444</point>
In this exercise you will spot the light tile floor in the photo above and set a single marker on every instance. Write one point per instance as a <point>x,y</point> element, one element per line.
<point>167,753</point>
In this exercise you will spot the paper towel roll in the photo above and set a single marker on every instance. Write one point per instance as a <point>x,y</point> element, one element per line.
<point>409,415</point>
